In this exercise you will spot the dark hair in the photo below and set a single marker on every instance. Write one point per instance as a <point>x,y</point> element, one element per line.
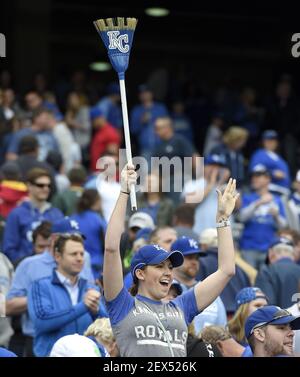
<point>133,290</point>
<point>55,160</point>
<point>28,144</point>
<point>88,198</point>
<point>44,230</point>
<point>39,111</point>
<point>77,175</point>
<point>59,245</point>
<point>35,173</point>
<point>185,214</point>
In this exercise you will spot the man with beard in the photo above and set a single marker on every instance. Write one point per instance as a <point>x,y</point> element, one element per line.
<point>185,275</point>
<point>269,331</point>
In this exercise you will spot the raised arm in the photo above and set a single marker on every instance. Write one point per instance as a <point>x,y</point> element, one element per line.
<point>112,267</point>
<point>210,288</point>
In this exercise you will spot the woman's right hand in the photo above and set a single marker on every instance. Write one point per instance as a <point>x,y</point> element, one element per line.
<point>128,178</point>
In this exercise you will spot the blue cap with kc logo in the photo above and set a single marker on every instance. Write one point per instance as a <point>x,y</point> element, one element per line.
<point>152,255</point>
<point>187,246</point>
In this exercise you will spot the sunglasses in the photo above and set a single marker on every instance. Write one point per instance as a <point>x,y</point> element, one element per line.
<point>278,315</point>
<point>42,185</point>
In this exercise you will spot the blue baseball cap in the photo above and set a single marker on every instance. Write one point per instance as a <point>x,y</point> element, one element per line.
<point>95,112</point>
<point>269,134</point>
<point>66,225</point>
<point>248,294</point>
<point>175,284</point>
<point>215,159</point>
<point>281,240</point>
<point>143,233</point>
<point>187,246</point>
<point>260,169</point>
<point>270,315</point>
<point>152,255</point>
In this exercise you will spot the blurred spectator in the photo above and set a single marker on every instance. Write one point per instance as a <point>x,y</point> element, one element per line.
<point>208,240</point>
<point>163,236</point>
<point>6,276</point>
<point>105,137</point>
<point>292,205</point>
<point>262,214</point>
<point>41,237</point>
<point>181,123</point>
<point>93,226</point>
<point>214,134</point>
<point>247,114</point>
<point>78,120</point>
<point>34,101</point>
<point>142,118</point>
<point>61,180</point>
<point>186,275</point>
<point>62,303</point>
<point>12,190</point>
<point>67,200</point>
<point>17,241</point>
<point>280,278</point>
<point>153,201</point>
<point>68,147</point>
<point>27,159</point>
<point>110,105</point>
<point>40,129</point>
<point>247,301</point>
<point>221,338</point>
<point>172,145</point>
<point>101,331</point>
<point>138,220</point>
<point>274,163</point>
<point>10,106</point>
<point>106,182</point>
<point>294,236</point>
<point>283,116</point>
<point>183,221</point>
<point>234,140</point>
<point>33,268</point>
<point>201,193</point>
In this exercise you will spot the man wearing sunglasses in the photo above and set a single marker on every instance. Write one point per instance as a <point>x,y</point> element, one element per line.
<point>17,240</point>
<point>269,331</point>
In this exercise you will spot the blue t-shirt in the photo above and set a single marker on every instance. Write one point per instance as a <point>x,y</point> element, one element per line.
<point>261,228</point>
<point>93,226</point>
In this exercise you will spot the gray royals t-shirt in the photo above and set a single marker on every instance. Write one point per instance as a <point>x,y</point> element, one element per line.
<point>138,331</point>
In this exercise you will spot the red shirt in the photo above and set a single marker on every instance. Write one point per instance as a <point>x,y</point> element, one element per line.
<point>105,136</point>
<point>11,194</point>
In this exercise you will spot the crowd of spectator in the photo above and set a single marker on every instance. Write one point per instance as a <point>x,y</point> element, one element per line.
<point>56,201</point>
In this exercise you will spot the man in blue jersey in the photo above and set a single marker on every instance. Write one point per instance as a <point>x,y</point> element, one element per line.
<point>263,215</point>
<point>20,223</point>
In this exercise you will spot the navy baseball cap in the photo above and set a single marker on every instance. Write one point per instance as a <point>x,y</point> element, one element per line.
<point>187,246</point>
<point>214,159</point>
<point>269,134</point>
<point>95,112</point>
<point>66,225</point>
<point>260,169</point>
<point>270,315</point>
<point>248,294</point>
<point>281,240</point>
<point>153,254</point>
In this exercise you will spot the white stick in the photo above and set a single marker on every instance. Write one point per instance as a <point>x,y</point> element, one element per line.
<point>127,139</point>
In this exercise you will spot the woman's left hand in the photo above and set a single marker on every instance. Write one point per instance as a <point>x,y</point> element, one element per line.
<point>227,200</point>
